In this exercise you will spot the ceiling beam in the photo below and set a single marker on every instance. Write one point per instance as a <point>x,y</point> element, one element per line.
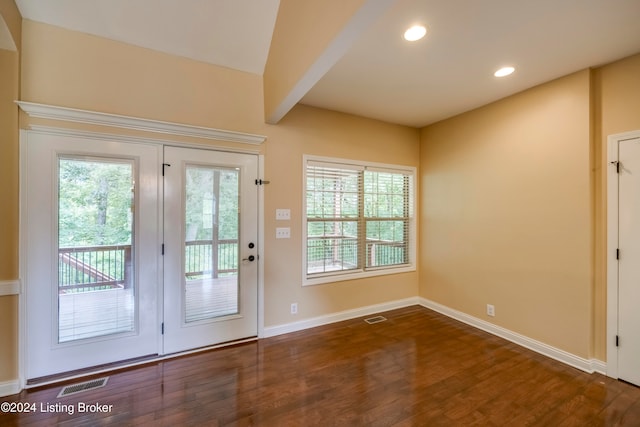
<point>10,26</point>
<point>308,39</point>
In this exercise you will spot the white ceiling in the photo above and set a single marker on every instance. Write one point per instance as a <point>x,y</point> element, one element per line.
<point>382,76</point>
<point>231,33</point>
<point>451,70</point>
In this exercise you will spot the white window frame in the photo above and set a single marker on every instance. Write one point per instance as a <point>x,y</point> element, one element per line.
<point>336,276</point>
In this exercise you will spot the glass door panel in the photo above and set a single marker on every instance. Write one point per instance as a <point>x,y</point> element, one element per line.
<point>210,248</point>
<point>96,288</point>
<point>211,242</point>
<point>91,261</point>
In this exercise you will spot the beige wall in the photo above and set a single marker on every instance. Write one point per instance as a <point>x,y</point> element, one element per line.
<point>9,92</point>
<point>617,109</point>
<point>506,213</point>
<point>77,70</point>
<point>307,130</point>
<point>66,68</point>
<point>9,84</point>
<point>11,16</point>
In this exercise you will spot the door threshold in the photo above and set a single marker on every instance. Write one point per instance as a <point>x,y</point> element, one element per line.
<point>85,372</point>
<point>126,364</point>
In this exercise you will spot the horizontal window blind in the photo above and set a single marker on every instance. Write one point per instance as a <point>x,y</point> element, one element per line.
<point>333,223</point>
<point>387,213</point>
<point>358,218</point>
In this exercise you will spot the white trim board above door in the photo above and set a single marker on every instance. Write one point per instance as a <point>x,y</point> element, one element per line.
<point>75,115</point>
<point>614,252</point>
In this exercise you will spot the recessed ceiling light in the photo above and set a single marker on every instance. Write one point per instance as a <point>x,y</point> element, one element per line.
<point>504,71</point>
<point>415,33</point>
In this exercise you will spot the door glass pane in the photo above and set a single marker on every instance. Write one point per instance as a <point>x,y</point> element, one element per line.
<point>96,288</point>
<point>211,242</point>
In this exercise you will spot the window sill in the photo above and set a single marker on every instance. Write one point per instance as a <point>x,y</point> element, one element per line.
<point>339,277</point>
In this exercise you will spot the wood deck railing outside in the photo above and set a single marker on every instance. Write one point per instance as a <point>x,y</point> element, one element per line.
<point>92,268</point>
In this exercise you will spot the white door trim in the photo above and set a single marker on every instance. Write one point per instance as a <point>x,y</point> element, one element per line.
<point>612,246</point>
<point>22,313</point>
<point>261,257</point>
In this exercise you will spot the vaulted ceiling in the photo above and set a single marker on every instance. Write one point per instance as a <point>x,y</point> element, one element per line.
<point>381,75</point>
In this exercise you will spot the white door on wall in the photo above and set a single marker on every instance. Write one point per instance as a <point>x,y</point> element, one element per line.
<point>116,270</point>
<point>210,247</point>
<point>629,260</point>
<point>91,252</point>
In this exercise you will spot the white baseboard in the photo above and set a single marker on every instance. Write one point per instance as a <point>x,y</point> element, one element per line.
<point>587,365</point>
<point>271,331</point>
<point>598,366</point>
<point>8,388</point>
<point>9,287</point>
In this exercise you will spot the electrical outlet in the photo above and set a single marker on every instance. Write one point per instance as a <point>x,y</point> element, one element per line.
<point>283,214</point>
<point>294,308</point>
<point>491,310</point>
<point>283,233</point>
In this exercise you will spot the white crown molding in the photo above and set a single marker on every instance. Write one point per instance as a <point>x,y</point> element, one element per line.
<point>9,287</point>
<point>587,365</point>
<point>90,135</point>
<point>53,112</point>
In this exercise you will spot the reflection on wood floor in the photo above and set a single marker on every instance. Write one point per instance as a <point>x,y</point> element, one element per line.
<point>418,368</point>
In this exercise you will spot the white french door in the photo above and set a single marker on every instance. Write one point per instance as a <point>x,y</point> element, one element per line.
<point>105,279</point>
<point>210,247</point>
<point>90,221</point>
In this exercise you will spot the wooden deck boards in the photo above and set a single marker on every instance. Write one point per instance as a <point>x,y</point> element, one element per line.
<point>97,313</point>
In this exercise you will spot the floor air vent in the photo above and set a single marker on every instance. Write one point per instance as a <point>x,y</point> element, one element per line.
<point>85,386</point>
<point>377,319</point>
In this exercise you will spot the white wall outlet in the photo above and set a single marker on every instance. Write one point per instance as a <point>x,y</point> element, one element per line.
<point>283,233</point>
<point>294,308</point>
<point>283,214</point>
<point>491,310</point>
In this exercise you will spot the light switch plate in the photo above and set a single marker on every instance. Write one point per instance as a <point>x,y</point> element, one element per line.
<point>283,233</point>
<point>283,214</point>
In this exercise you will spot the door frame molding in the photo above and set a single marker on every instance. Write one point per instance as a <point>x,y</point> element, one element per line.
<point>102,136</point>
<point>612,245</point>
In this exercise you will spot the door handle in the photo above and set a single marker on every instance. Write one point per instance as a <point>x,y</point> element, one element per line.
<point>249,258</point>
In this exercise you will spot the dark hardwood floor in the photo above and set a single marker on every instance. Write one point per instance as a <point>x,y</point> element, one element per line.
<point>418,368</point>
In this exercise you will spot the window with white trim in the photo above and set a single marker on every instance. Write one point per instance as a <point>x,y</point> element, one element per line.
<point>358,219</point>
